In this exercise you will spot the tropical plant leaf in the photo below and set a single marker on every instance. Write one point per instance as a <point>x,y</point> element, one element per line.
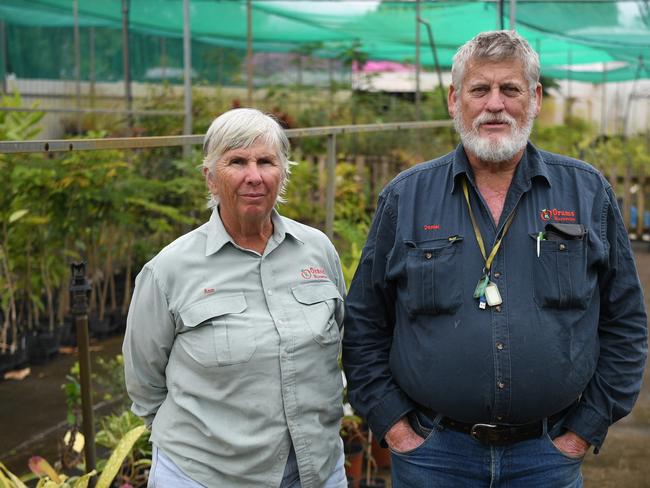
<point>40,467</point>
<point>17,215</point>
<point>83,481</point>
<point>8,479</point>
<point>117,457</point>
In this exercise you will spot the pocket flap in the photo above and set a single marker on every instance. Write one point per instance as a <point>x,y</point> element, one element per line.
<point>310,293</point>
<point>213,306</point>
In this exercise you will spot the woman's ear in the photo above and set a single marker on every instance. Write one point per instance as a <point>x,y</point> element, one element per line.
<point>209,180</point>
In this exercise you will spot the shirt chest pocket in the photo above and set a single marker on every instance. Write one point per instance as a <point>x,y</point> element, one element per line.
<point>218,333</point>
<point>318,305</point>
<point>560,278</point>
<point>434,275</point>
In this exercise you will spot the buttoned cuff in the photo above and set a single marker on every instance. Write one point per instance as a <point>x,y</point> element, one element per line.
<point>588,424</point>
<point>386,413</point>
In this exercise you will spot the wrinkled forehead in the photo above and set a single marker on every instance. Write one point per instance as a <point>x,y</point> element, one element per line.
<point>508,70</point>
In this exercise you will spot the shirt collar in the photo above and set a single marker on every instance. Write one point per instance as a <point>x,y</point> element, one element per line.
<point>530,166</point>
<point>218,236</point>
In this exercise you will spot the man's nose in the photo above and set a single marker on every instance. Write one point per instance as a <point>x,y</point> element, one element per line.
<point>495,101</point>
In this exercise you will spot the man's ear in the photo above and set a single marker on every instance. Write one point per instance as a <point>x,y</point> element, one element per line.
<point>451,101</point>
<point>538,98</point>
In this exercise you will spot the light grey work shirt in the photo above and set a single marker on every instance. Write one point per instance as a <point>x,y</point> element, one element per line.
<point>231,356</point>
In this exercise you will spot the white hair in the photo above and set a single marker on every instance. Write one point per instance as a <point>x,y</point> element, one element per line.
<point>496,46</point>
<point>241,128</point>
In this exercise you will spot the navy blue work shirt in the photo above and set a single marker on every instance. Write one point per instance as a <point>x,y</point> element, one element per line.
<point>572,324</point>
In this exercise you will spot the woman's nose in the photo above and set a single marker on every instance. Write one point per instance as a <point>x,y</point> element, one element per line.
<point>253,172</point>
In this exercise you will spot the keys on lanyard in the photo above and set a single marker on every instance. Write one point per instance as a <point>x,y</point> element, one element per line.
<point>487,292</point>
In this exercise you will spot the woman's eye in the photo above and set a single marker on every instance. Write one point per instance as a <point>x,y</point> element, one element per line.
<point>264,161</point>
<point>237,161</point>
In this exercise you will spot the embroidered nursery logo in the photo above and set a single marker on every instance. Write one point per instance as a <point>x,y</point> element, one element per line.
<point>557,215</point>
<point>313,273</point>
<point>208,291</point>
<point>432,227</point>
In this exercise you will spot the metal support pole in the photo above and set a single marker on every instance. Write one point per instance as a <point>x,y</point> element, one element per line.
<point>417,62</point>
<point>91,64</point>
<point>628,105</point>
<point>603,108</point>
<point>499,14</point>
<point>513,15</point>
<point>249,53</point>
<point>77,62</point>
<point>125,61</point>
<point>569,105</point>
<point>79,289</point>
<point>3,55</point>
<point>187,72</point>
<point>331,185</point>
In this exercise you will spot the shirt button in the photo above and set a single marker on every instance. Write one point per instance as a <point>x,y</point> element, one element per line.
<point>497,274</point>
<point>562,247</point>
<point>500,346</point>
<point>284,355</point>
<point>428,255</point>
<point>497,308</point>
<point>499,418</point>
<point>501,385</point>
<point>269,292</point>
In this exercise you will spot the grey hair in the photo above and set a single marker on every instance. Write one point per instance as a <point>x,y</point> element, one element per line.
<point>241,128</point>
<point>497,46</point>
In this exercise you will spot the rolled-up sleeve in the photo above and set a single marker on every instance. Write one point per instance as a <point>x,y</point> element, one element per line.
<point>147,343</point>
<point>622,334</point>
<point>369,324</point>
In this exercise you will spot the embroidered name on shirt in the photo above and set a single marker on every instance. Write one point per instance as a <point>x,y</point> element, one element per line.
<point>313,273</point>
<point>208,291</point>
<point>432,227</point>
<point>557,215</point>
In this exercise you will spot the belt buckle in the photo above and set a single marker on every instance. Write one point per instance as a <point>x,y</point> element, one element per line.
<point>478,431</point>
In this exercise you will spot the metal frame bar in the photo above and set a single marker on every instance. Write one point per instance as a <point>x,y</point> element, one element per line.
<point>93,110</point>
<point>67,145</point>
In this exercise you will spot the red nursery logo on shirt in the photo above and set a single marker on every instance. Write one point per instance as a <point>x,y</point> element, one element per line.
<point>313,273</point>
<point>557,215</point>
<point>431,227</point>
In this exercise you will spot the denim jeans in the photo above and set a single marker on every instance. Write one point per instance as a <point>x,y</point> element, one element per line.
<point>452,459</point>
<point>291,479</point>
<point>165,474</point>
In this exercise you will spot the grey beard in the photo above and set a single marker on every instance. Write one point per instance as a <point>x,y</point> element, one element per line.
<point>504,148</point>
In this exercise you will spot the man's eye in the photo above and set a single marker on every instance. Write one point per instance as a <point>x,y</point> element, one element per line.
<point>479,90</point>
<point>511,90</point>
<point>265,161</point>
<point>237,161</point>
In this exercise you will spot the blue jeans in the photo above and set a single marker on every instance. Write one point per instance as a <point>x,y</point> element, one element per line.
<point>165,474</point>
<point>452,459</point>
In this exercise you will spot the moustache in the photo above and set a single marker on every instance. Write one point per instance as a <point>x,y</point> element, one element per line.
<point>487,118</point>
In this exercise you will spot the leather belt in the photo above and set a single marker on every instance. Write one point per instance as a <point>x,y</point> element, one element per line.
<point>495,434</point>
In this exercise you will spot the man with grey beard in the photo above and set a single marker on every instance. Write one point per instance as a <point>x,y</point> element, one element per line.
<point>495,327</point>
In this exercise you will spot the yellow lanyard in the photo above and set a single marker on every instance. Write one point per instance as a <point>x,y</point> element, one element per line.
<point>479,239</point>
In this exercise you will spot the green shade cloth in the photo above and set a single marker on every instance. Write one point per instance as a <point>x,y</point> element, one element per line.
<point>565,33</point>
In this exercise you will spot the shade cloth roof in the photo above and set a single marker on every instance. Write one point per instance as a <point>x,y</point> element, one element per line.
<point>575,39</point>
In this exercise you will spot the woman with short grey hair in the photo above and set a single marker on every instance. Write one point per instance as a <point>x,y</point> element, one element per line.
<point>232,341</point>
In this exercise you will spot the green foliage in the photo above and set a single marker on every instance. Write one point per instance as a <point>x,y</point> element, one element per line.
<point>116,430</point>
<point>121,451</point>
